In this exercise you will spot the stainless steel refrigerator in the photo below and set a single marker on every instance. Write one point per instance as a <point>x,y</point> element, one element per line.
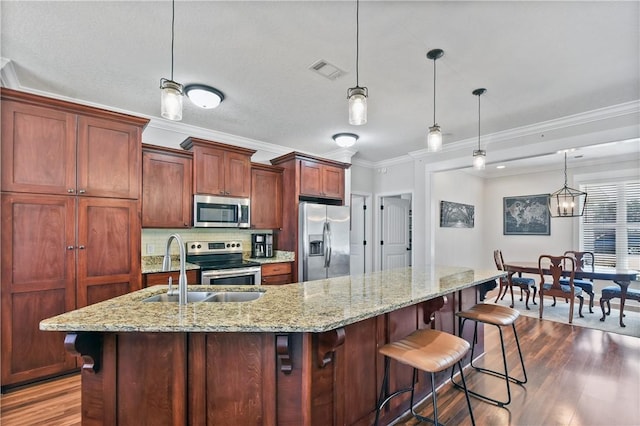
<point>323,245</point>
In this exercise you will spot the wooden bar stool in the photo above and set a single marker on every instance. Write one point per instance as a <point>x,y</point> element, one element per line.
<point>427,350</point>
<point>500,316</point>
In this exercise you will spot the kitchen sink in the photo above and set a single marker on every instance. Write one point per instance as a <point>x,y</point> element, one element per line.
<point>235,296</point>
<point>208,296</point>
<point>192,296</point>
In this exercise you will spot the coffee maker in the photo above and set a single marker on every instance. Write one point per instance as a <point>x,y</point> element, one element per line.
<point>261,245</point>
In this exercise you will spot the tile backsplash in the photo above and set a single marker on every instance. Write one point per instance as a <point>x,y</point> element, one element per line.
<point>154,240</point>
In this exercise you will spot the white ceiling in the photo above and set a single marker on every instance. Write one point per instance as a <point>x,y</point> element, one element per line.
<point>539,60</point>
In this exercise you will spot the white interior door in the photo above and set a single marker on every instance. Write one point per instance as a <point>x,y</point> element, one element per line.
<point>358,235</point>
<point>395,244</point>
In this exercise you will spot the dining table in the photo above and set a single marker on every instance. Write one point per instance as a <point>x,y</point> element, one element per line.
<point>621,277</point>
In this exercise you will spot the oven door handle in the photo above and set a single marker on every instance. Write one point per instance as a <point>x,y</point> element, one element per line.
<point>230,272</point>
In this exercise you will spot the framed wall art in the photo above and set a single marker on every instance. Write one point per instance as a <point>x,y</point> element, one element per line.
<point>456,215</point>
<point>527,215</point>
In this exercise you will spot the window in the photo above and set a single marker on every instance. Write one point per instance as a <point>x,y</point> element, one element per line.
<point>610,227</point>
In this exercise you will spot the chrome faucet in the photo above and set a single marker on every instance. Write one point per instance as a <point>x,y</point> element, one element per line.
<point>166,265</point>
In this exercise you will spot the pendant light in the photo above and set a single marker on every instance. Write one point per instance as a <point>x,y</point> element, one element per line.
<point>434,138</point>
<point>567,202</point>
<point>171,98</point>
<point>345,140</point>
<point>479,155</point>
<point>357,96</point>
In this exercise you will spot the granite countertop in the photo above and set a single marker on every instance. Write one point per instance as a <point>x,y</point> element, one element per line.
<point>153,264</point>
<point>313,306</point>
<point>278,256</point>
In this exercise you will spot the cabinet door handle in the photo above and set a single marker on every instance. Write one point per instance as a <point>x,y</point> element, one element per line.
<point>82,191</point>
<point>81,247</point>
<point>70,247</point>
<point>71,190</point>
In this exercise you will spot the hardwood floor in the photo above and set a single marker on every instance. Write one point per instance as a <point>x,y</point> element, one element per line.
<point>577,376</point>
<point>54,403</point>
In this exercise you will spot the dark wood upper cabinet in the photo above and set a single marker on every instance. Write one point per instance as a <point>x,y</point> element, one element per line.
<point>108,162</point>
<point>166,187</point>
<point>220,169</point>
<point>321,180</point>
<point>38,149</point>
<point>266,196</point>
<point>56,147</point>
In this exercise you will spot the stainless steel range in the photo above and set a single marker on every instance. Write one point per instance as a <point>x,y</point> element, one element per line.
<point>221,263</point>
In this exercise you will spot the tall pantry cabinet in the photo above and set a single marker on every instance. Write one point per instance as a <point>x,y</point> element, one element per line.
<point>71,183</point>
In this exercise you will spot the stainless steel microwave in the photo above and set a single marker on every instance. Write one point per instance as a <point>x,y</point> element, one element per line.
<point>210,211</point>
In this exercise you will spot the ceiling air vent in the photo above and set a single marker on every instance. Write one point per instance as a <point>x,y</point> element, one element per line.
<point>326,70</point>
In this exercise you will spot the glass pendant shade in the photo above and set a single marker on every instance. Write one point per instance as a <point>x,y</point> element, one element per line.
<point>345,140</point>
<point>171,100</point>
<point>479,159</point>
<point>357,106</point>
<point>434,139</point>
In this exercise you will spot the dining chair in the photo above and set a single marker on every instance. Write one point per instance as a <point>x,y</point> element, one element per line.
<point>555,267</point>
<point>525,284</point>
<point>585,261</point>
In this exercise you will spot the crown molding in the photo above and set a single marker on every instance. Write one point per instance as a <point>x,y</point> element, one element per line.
<point>8,75</point>
<point>625,109</point>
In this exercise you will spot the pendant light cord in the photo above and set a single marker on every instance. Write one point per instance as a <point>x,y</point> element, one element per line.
<point>478,122</point>
<point>357,43</point>
<point>173,20</point>
<point>434,92</point>
<point>565,169</point>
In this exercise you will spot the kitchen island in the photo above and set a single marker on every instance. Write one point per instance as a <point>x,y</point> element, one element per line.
<point>302,354</point>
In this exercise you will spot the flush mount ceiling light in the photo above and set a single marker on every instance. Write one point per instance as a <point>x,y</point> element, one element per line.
<point>204,96</point>
<point>479,155</point>
<point>345,140</point>
<point>434,139</point>
<point>357,95</point>
<point>171,97</point>
<point>567,202</point>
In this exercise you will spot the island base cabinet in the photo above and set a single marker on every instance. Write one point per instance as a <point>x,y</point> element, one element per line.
<point>232,379</point>
<point>301,379</point>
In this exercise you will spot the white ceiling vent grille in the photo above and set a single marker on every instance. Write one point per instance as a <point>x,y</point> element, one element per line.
<point>326,70</point>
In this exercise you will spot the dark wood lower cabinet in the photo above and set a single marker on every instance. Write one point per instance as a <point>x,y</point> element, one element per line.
<point>330,378</point>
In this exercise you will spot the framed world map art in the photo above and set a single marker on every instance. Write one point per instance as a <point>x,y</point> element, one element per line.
<point>527,215</point>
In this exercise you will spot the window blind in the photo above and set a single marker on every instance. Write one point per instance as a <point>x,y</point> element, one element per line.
<point>610,227</point>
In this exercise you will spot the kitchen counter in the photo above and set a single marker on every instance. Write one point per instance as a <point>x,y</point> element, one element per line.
<point>153,264</point>
<point>290,357</point>
<point>314,306</point>
<point>278,256</point>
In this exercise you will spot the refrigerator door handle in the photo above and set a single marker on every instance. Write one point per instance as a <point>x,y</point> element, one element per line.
<point>328,245</point>
<point>325,241</point>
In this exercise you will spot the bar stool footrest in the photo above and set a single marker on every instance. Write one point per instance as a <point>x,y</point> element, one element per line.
<point>500,404</point>
<point>499,374</point>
